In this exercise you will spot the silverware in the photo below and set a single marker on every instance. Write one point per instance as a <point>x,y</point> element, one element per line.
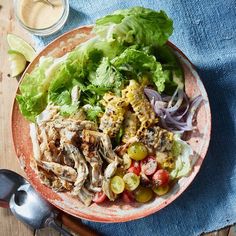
<point>25,203</point>
<point>9,183</point>
<point>30,208</point>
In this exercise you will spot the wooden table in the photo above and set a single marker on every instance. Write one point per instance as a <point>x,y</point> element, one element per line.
<point>9,226</point>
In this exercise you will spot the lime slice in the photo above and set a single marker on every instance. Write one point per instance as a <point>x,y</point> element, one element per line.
<point>17,61</point>
<point>20,45</point>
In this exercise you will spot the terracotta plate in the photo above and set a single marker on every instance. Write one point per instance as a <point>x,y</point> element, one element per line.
<point>109,211</point>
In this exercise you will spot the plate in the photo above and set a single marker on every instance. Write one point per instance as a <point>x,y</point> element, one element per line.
<point>111,211</point>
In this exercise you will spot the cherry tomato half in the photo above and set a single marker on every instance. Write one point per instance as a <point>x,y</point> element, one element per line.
<point>135,168</point>
<point>161,177</point>
<point>132,181</point>
<point>149,165</point>
<point>137,151</point>
<point>143,194</point>
<point>161,190</point>
<point>145,181</point>
<point>117,184</point>
<point>127,196</point>
<point>99,197</point>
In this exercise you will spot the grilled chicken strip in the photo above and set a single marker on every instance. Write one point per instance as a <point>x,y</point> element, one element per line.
<point>73,153</point>
<point>92,156</point>
<point>105,147</point>
<point>84,195</point>
<point>35,141</point>
<point>53,181</point>
<point>64,172</point>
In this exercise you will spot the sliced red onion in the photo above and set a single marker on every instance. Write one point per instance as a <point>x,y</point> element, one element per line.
<point>194,105</point>
<point>173,98</point>
<point>186,101</point>
<point>178,103</point>
<point>176,113</point>
<point>152,94</point>
<point>157,109</point>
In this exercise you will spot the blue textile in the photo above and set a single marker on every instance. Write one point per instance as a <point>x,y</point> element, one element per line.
<point>206,32</point>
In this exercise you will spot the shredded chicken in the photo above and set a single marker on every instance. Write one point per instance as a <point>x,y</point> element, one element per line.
<point>64,172</point>
<point>70,154</point>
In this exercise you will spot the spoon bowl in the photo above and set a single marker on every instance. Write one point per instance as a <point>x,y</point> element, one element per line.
<point>9,183</point>
<point>30,208</point>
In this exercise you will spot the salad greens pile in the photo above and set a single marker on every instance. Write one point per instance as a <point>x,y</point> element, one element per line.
<point>129,44</point>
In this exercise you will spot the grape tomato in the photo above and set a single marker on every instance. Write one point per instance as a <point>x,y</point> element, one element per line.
<point>137,151</point>
<point>161,177</point>
<point>149,165</point>
<point>127,196</point>
<point>132,181</point>
<point>135,168</point>
<point>161,190</point>
<point>143,194</point>
<point>99,197</point>
<point>117,184</point>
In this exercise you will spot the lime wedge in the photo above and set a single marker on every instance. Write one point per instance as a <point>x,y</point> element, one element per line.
<point>20,45</point>
<point>18,62</point>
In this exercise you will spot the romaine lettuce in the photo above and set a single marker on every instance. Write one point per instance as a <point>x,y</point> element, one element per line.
<point>137,25</point>
<point>134,63</point>
<point>33,89</point>
<point>120,49</point>
<point>183,162</point>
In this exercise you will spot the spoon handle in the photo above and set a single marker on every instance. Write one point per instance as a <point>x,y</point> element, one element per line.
<point>53,224</point>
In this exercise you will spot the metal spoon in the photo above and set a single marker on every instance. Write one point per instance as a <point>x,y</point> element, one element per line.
<point>9,183</point>
<point>30,208</point>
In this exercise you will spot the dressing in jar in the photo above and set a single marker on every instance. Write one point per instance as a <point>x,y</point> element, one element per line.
<point>42,17</point>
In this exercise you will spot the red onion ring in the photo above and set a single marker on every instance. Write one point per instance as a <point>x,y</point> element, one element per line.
<point>176,112</point>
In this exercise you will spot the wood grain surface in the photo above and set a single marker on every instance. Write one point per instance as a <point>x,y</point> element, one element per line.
<point>9,226</point>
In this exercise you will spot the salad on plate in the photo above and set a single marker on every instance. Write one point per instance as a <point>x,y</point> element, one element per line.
<point>107,119</point>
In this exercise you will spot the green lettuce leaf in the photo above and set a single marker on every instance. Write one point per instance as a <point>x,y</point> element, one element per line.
<point>183,164</point>
<point>100,64</point>
<point>33,90</point>
<point>93,112</point>
<point>53,79</point>
<point>136,25</point>
<point>108,77</point>
<point>134,63</point>
<point>171,67</point>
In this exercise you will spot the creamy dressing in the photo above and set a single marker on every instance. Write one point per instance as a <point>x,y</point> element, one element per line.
<point>38,14</point>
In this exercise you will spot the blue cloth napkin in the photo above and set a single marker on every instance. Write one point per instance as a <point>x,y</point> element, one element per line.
<point>206,32</point>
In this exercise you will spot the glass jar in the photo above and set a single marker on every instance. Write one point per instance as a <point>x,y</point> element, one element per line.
<point>41,17</point>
